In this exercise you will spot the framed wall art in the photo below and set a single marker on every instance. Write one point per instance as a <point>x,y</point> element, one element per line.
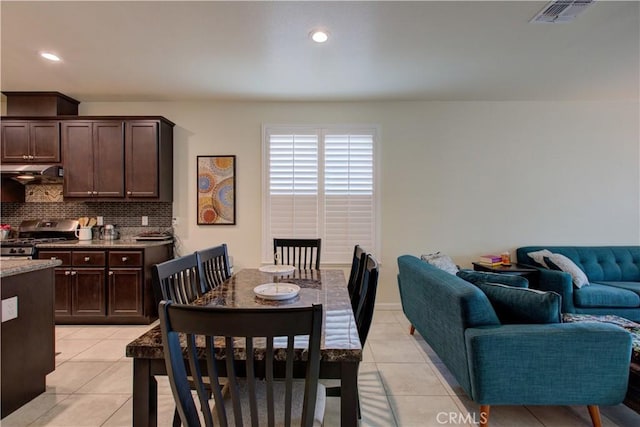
<point>216,190</point>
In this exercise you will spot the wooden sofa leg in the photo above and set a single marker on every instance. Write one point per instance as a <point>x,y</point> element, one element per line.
<point>484,415</point>
<point>412,329</point>
<point>594,413</point>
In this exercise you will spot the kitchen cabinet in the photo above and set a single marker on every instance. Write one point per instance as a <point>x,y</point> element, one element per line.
<point>30,141</point>
<point>93,153</point>
<point>122,158</point>
<point>107,286</point>
<point>125,283</point>
<point>149,159</point>
<point>79,283</point>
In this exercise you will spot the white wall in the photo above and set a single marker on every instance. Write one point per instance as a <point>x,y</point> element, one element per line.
<point>465,178</point>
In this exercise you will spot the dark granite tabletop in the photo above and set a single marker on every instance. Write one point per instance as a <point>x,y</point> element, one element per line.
<point>340,339</point>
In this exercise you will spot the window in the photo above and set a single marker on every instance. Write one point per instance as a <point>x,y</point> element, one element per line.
<point>321,182</point>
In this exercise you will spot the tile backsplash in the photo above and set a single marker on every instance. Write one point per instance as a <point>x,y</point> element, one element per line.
<point>124,214</point>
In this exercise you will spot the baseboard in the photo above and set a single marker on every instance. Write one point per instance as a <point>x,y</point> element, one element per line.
<point>389,306</point>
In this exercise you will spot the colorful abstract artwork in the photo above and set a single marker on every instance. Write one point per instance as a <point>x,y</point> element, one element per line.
<point>216,190</point>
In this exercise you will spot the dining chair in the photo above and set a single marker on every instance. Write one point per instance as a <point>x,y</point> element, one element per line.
<point>369,285</point>
<point>177,279</point>
<point>230,333</point>
<point>302,253</point>
<point>355,276</point>
<point>363,312</point>
<point>213,265</point>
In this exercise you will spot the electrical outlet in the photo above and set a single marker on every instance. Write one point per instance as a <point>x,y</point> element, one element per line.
<point>145,220</point>
<point>175,221</point>
<point>100,220</point>
<point>9,308</point>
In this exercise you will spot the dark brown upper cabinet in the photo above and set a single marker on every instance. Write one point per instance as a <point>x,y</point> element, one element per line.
<point>149,160</point>
<point>30,141</point>
<point>93,158</point>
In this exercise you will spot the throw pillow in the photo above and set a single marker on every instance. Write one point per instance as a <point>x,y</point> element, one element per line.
<point>562,263</point>
<point>523,305</point>
<point>442,261</point>
<point>538,256</point>
<point>476,277</point>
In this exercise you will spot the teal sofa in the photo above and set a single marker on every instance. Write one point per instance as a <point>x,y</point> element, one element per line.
<point>512,364</point>
<point>613,273</point>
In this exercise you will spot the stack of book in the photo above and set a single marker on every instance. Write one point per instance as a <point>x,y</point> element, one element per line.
<point>491,260</point>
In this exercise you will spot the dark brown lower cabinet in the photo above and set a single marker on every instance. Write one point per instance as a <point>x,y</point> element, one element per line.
<point>125,292</point>
<point>63,292</point>
<point>110,286</point>
<point>88,292</point>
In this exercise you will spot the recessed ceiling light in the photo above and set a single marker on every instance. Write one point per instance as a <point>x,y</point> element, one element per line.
<point>319,36</point>
<point>50,56</point>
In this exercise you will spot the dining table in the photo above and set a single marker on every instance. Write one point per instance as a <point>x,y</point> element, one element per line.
<point>341,350</point>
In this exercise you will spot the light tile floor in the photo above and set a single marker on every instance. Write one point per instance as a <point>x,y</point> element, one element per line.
<point>402,383</point>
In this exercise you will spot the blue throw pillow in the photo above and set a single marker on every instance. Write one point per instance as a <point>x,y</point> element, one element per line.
<point>476,277</point>
<point>523,305</point>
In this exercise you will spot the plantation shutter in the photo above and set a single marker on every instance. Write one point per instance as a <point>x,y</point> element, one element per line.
<point>349,209</point>
<point>320,183</point>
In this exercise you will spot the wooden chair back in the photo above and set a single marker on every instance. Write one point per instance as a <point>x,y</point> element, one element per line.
<point>211,333</point>
<point>355,277</point>
<point>213,264</point>
<point>367,300</point>
<point>302,253</point>
<point>177,280</point>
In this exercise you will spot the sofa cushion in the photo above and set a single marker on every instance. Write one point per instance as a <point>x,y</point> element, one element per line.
<point>442,261</point>
<point>630,286</point>
<point>562,263</point>
<point>523,305</point>
<point>538,256</point>
<point>476,277</point>
<point>599,295</point>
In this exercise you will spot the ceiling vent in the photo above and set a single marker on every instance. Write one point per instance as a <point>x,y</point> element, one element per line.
<point>561,11</point>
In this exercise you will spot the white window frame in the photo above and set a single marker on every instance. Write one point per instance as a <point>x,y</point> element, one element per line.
<point>321,130</point>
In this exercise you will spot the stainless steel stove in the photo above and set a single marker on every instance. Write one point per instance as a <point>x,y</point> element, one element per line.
<point>34,232</point>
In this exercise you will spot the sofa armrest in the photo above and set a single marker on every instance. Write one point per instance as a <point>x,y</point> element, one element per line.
<point>557,281</point>
<point>553,364</point>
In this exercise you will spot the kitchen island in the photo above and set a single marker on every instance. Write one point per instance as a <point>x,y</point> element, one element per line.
<point>27,331</point>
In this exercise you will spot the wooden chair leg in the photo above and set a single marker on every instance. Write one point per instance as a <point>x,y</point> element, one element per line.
<point>484,415</point>
<point>594,413</point>
<point>412,329</point>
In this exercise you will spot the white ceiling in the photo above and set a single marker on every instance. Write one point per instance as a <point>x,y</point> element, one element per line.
<point>377,51</point>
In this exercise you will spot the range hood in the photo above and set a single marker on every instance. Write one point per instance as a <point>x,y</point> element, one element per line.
<point>32,174</point>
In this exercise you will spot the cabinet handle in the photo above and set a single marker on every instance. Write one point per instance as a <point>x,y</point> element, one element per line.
<point>25,157</point>
<point>89,192</point>
<point>95,193</point>
<point>31,157</point>
<point>125,259</point>
<point>87,259</point>
<point>73,273</point>
<point>53,257</point>
<point>66,273</point>
<point>129,193</point>
<point>110,273</point>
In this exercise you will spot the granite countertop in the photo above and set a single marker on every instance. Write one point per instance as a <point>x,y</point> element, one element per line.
<point>340,340</point>
<point>104,244</point>
<point>11,267</point>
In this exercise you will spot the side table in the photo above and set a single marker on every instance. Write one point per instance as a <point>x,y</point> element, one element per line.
<point>529,273</point>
